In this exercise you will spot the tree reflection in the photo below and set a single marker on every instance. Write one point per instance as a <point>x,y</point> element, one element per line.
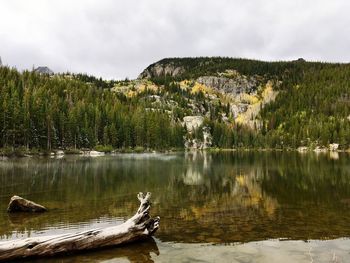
<point>200,197</point>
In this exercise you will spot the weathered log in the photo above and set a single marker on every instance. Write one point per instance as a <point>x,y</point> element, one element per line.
<point>19,204</point>
<point>138,227</point>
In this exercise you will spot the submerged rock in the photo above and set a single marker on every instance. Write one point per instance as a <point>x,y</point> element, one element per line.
<point>19,204</point>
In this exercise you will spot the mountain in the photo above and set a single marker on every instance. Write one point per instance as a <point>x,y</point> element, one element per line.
<point>0,62</point>
<point>44,70</point>
<point>288,104</point>
<point>182,102</point>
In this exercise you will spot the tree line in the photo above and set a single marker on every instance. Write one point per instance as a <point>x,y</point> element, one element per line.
<point>81,111</point>
<point>51,112</point>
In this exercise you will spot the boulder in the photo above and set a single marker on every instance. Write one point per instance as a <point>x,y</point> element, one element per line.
<point>320,149</point>
<point>19,204</point>
<point>303,149</point>
<point>193,122</point>
<point>96,153</point>
<point>333,147</point>
<point>139,227</point>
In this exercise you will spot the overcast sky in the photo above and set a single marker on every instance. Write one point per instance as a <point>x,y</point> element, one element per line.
<point>118,39</point>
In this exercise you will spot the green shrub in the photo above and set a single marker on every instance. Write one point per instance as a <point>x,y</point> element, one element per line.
<point>104,148</point>
<point>13,152</point>
<point>20,152</point>
<point>72,151</point>
<point>139,149</point>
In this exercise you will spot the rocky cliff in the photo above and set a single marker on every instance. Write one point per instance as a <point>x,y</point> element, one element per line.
<point>234,85</point>
<point>44,70</point>
<point>198,93</point>
<point>160,70</point>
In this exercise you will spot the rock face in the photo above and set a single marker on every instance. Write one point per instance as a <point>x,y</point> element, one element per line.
<point>193,122</point>
<point>44,70</point>
<point>19,204</point>
<point>333,146</point>
<point>243,96</point>
<point>235,86</point>
<point>161,70</point>
<point>238,109</point>
<point>207,138</point>
<point>198,144</point>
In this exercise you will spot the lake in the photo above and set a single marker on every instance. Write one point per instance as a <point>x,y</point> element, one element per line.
<point>214,207</point>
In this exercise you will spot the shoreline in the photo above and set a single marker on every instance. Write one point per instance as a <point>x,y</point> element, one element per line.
<point>59,153</point>
<point>15,153</point>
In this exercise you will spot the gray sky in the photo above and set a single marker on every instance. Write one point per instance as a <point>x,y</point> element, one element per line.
<point>118,39</point>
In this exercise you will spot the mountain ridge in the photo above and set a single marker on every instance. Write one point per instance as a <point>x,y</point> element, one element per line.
<point>187,102</point>
<point>44,70</point>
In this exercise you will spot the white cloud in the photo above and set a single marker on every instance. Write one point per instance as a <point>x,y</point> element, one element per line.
<point>119,38</point>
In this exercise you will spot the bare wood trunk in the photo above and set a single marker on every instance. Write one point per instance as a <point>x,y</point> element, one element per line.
<point>138,227</point>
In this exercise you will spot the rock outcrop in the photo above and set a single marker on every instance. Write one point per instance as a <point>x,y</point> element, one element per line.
<point>19,204</point>
<point>161,70</point>
<point>234,86</point>
<point>207,138</point>
<point>333,147</point>
<point>302,149</point>
<point>237,109</point>
<point>44,70</point>
<point>197,144</point>
<point>198,136</point>
<point>193,122</point>
<point>240,97</point>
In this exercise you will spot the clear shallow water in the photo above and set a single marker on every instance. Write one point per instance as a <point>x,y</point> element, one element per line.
<point>224,207</point>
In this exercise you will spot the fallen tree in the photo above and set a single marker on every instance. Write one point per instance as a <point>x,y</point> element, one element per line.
<point>138,227</point>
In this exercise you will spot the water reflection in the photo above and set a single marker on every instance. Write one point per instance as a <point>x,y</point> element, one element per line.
<point>201,197</point>
<point>144,251</point>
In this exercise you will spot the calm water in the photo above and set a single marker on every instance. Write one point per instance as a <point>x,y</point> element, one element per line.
<point>224,207</point>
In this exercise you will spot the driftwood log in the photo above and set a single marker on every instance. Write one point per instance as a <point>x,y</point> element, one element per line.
<point>19,204</point>
<point>138,227</point>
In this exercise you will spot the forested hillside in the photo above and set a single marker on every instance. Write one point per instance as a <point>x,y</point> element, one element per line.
<point>231,103</point>
<point>311,109</point>
<point>39,111</point>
